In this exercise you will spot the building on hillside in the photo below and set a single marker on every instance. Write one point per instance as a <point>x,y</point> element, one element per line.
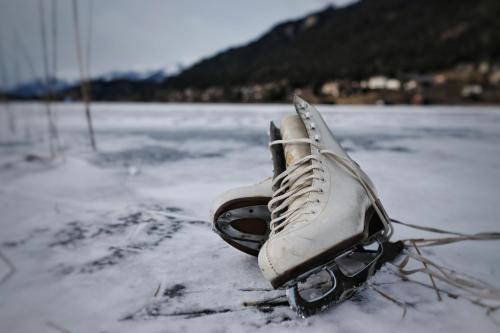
<point>330,88</point>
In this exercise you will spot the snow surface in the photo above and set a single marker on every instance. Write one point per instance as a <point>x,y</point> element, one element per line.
<point>120,241</point>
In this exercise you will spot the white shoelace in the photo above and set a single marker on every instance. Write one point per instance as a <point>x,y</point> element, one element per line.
<point>297,182</point>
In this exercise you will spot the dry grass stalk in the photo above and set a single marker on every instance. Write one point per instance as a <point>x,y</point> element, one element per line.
<point>52,128</point>
<point>490,308</point>
<point>271,301</point>
<point>10,266</point>
<point>157,290</point>
<point>430,276</point>
<point>395,301</point>
<point>84,82</point>
<point>57,327</point>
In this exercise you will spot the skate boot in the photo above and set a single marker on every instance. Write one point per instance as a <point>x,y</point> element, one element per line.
<point>241,218</point>
<point>328,231</point>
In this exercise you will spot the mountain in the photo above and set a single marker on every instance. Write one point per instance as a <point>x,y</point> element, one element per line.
<point>156,76</point>
<point>37,88</point>
<point>117,85</point>
<point>370,37</point>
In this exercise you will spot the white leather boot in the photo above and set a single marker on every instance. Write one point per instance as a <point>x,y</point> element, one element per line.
<point>241,217</point>
<point>324,209</point>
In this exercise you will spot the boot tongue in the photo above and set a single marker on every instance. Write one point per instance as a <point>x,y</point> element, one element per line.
<point>292,127</point>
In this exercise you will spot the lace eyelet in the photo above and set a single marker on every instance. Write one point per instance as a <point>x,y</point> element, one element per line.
<point>317,200</point>
<point>321,190</point>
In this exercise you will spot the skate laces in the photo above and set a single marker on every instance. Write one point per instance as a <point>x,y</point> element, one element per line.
<point>297,181</point>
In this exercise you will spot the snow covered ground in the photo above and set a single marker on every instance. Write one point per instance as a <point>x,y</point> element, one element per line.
<point>119,240</point>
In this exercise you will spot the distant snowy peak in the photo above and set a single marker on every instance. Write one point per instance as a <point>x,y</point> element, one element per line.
<point>156,76</point>
<point>39,87</point>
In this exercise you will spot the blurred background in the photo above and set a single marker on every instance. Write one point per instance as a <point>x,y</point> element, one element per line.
<point>337,51</point>
<point>121,121</point>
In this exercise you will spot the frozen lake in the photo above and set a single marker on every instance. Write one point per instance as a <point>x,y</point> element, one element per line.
<point>119,240</point>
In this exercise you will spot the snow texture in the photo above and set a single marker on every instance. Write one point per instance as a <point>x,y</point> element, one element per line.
<point>120,241</point>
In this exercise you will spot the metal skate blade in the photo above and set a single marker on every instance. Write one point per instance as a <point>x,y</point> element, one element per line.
<point>353,262</point>
<point>316,285</point>
<point>347,273</point>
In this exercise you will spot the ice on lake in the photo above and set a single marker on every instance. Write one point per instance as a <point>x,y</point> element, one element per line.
<point>119,240</point>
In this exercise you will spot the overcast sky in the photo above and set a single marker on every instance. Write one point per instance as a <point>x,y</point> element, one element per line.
<point>139,35</point>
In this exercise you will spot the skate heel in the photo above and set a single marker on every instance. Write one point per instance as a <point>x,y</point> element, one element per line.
<point>244,225</point>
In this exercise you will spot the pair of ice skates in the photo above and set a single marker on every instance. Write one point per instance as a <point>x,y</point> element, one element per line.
<point>318,227</point>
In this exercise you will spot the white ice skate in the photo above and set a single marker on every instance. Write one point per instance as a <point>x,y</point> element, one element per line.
<point>326,218</point>
<point>241,217</point>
